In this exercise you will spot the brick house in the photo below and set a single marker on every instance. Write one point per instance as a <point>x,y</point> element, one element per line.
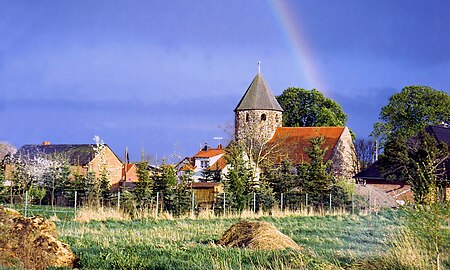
<point>81,158</point>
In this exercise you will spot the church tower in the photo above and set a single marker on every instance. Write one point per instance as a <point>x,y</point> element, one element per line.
<point>258,114</point>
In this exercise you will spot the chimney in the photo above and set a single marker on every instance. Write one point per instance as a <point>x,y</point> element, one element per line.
<point>206,147</point>
<point>46,143</point>
<point>220,146</point>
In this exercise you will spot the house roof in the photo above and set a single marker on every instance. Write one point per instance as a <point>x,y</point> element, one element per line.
<point>76,154</point>
<point>129,166</point>
<point>207,152</point>
<point>205,184</point>
<point>220,164</point>
<point>258,97</point>
<point>291,141</point>
<point>441,133</point>
<point>187,167</point>
<point>370,173</point>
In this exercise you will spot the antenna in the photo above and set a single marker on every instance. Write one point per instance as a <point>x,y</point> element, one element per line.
<point>259,67</point>
<point>219,139</point>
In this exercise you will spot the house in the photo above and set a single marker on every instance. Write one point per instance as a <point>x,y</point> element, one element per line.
<point>82,158</point>
<point>258,119</point>
<point>371,176</point>
<point>129,178</point>
<point>401,190</point>
<point>206,162</point>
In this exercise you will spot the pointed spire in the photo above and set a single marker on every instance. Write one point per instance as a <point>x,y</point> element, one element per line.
<point>258,97</point>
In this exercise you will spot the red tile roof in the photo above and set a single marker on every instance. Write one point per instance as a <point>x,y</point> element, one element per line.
<point>129,166</point>
<point>292,141</point>
<point>211,152</point>
<point>187,167</point>
<point>220,164</point>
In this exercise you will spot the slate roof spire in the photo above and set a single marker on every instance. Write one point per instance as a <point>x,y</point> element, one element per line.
<point>258,96</point>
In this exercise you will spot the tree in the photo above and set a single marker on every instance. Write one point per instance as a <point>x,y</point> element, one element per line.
<point>239,179</point>
<point>365,153</point>
<point>419,161</point>
<point>316,175</point>
<point>144,187</point>
<point>310,108</point>
<point>410,111</point>
<point>165,182</point>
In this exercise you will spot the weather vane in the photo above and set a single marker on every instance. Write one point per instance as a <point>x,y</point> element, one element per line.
<point>259,66</point>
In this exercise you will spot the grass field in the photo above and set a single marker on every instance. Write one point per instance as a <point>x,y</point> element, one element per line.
<point>338,241</point>
<point>328,241</point>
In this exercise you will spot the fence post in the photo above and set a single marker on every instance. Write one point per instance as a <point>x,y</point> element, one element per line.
<point>254,202</point>
<point>281,202</point>
<point>353,205</point>
<point>118,201</point>
<point>26,204</point>
<point>224,205</point>
<point>75,213</point>
<point>157,204</point>
<point>370,203</point>
<point>192,204</point>
<point>330,202</point>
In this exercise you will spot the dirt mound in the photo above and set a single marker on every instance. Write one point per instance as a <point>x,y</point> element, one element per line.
<point>256,235</point>
<point>31,243</point>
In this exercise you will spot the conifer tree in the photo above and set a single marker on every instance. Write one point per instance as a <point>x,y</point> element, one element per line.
<point>238,183</point>
<point>144,187</point>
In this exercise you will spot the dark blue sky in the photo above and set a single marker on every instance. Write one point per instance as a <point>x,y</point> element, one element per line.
<point>166,75</point>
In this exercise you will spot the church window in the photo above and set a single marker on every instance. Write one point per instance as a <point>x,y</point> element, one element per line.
<point>247,117</point>
<point>263,117</point>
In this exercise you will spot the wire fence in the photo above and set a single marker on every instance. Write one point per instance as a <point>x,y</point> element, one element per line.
<point>221,204</point>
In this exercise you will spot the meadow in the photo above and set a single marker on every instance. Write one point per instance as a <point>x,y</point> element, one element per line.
<point>329,242</point>
<point>106,239</point>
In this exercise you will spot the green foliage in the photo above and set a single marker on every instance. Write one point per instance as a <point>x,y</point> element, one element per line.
<point>410,111</point>
<point>304,108</point>
<point>316,174</point>
<point>144,187</point>
<point>417,160</point>
<point>182,195</point>
<point>37,193</point>
<point>164,183</point>
<point>429,223</point>
<point>239,179</point>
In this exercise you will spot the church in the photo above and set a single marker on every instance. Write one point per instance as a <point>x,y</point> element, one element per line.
<point>258,120</point>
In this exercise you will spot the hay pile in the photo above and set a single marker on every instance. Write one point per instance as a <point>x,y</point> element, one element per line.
<point>31,243</point>
<point>256,235</point>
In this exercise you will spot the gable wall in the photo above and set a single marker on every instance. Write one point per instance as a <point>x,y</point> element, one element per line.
<point>113,166</point>
<point>344,156</point>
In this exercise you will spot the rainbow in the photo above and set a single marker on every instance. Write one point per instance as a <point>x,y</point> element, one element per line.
<point>296,38</point>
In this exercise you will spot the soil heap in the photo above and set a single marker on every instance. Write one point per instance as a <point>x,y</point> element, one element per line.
<point>256,235</point>
<point>31,243</point>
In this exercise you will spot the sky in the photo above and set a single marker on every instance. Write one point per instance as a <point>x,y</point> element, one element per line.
<point>165,76</point>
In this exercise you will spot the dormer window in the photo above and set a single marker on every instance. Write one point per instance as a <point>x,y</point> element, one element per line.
<point>263,117</point>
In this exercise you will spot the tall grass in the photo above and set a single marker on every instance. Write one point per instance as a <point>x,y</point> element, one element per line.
<point>329,242</point>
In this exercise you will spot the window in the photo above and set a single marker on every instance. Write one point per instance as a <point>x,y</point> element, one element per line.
<point>205,163</point>
<point>247,117</point>
<point>263,117</point>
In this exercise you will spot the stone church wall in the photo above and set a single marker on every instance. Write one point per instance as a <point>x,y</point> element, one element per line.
<point>344,156</point>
